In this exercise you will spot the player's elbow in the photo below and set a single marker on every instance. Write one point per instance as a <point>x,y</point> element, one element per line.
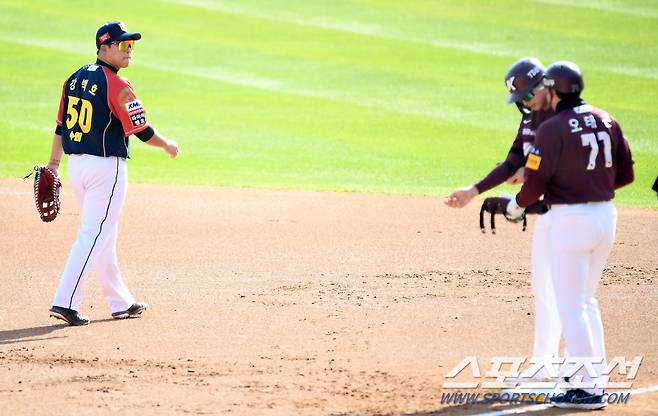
<point>146,134</point>
<point>624,177</point>
<point>623,181</point>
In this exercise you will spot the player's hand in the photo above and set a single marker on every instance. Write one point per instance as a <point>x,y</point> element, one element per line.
<point>517,178</point>
<point>513,210</point>
<point>461,197</point>
<point>54,166</point>
<point>171,147</point>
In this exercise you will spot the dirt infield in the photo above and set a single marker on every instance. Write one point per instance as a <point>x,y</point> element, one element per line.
<point>274,302</point>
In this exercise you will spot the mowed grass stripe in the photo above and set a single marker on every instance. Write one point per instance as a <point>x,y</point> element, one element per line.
<point>286,86</point>
<point>620,7</point>
<point>271,170</point>
<point>379,96</point>
<point>371,29</point>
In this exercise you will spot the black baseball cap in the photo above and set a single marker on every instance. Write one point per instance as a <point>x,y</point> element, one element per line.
<point>114,32</point>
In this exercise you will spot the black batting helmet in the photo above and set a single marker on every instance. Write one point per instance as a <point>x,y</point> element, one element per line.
<point>564,77</point>
<point>522,77</point>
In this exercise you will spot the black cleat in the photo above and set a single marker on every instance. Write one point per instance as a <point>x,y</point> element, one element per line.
<point>134,311</point>
<point>578,399</point>
<point>69,316</point>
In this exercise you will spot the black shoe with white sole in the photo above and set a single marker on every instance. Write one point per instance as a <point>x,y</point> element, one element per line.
<point>69,316</point>
<point>135,310</point>
<point>578,399</point>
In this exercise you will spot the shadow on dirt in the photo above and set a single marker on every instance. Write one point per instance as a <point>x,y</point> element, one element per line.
<point>543,410</point>
<point>15,336</point>
<point>37,333</point>
<point>481,409</point>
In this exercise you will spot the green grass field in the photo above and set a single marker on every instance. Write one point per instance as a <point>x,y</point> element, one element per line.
<point>377,96</point>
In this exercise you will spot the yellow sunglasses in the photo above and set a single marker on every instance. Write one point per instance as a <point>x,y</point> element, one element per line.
<point>124,45</point>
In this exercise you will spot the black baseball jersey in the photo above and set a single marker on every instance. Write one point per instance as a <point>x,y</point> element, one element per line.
<point>98,110</point>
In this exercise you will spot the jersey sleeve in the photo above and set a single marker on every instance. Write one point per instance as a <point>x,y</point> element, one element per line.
<point>503,171</point>
<point>516,155</point>
<point>498,175</point>
<point>126,106</point>
<point>540,165</point>
<point>60,112</point>
<point>624,161</point>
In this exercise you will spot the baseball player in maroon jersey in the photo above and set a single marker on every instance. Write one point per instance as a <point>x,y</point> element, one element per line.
<point>98,111</point>
<point>524,82</point>
<point>580,157</point>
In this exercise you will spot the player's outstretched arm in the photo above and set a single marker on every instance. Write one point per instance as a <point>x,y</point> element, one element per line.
<point>158,140</point>
<point>462,196</point>
<point>517,178</point>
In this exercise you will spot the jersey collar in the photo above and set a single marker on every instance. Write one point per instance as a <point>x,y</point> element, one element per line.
<point>568,103</point>
<point>106,65</point>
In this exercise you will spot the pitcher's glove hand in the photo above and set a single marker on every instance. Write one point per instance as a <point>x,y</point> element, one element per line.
<point>46,192</point>
<point>510,210</point>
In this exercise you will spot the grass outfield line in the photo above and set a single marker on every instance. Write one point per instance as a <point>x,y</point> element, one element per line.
<point>403,97</point>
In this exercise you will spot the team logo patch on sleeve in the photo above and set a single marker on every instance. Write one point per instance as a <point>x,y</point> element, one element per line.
<point>534,159</point>
<point>136,112</point>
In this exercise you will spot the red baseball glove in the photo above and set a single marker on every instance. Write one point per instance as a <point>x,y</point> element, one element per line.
<point>46,192</point>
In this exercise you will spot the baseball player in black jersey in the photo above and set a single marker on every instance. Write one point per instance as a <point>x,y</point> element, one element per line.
<point>98,111</point>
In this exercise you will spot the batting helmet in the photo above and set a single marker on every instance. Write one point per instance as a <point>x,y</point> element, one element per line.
<point>564,77</point>
<point>522,77</point>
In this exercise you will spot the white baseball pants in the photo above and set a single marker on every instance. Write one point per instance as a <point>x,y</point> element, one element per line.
<point>581,237</point>
<point>548,329</point>
<point>99,185</point>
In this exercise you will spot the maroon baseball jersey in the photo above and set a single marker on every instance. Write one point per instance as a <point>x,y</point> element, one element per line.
<point>525,138</point>
<point>580,155</point>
